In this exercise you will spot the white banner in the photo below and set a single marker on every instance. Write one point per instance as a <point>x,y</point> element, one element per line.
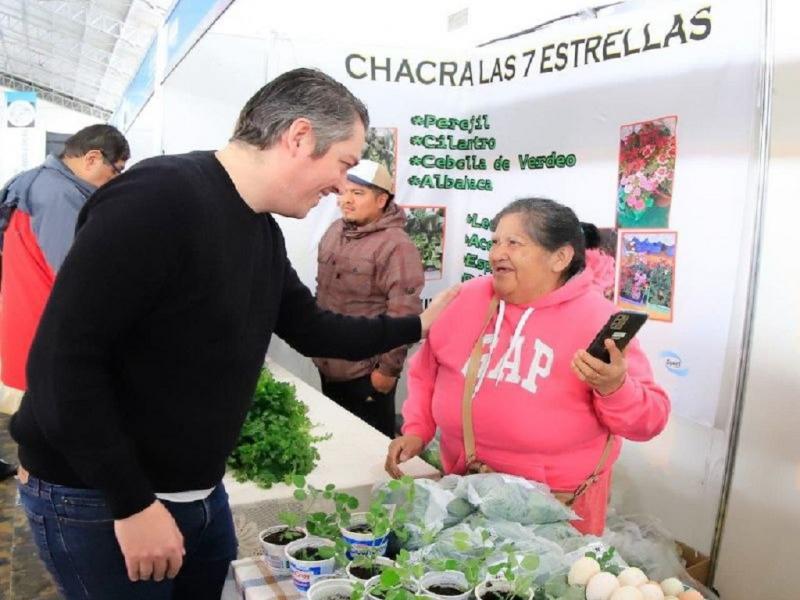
<point>23,139</point>
<point>643,122</point>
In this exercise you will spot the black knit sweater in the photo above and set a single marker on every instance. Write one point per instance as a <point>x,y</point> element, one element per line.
<point>148,351</point>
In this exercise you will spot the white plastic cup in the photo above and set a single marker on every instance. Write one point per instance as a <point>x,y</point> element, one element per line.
<point>380,560</point>
<point>452,578</point>
<point>363,543</point>
<point>327,588</point>
<point>275,554</point>
<point>305,571</point>
<point>497,585</point>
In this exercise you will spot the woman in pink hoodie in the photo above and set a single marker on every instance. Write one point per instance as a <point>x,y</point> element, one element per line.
<point>542,407</point>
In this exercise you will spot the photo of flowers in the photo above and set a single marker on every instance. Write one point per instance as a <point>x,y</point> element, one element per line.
<point>646,280</point>
<point>646,173</point>
<point>381,146</point>
<point>425,226</point>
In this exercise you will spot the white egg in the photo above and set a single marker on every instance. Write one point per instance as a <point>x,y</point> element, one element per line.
<point>652,591</point>
<point>627,592</point>
<point>632,576</point>
<point>582,570</point>
<point>670,598</point>
<point>672,586</point>
<point>601,586</point>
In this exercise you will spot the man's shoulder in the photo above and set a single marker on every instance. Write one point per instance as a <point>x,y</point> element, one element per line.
<point>49,181</point>
<point>184,166</point>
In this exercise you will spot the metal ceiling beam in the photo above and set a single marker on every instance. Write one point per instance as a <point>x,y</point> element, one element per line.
<point>66,46</point>
<point>80,51</point>
<point>97,20</point>
<point>116,47</point>
<point>50,95</point>
<point>85,91</point>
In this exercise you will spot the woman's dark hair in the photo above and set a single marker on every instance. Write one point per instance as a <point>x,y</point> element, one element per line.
<point>552,226</point>
<point>105,138</point>
<point>591,235</point>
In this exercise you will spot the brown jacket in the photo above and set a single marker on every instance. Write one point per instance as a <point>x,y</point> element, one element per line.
<point>368,271</point>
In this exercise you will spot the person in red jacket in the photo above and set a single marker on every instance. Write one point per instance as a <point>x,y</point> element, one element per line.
<point>39,210</point>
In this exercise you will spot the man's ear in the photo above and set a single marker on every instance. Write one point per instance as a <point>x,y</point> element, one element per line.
<point>299,135</point>
<point>92,157</point>
<point>383,200</point>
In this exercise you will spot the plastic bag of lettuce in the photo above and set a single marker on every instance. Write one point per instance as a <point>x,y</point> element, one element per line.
<point>276,439</point>
<point>511,498</point>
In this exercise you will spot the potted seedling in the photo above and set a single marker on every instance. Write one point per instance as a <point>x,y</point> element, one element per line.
<point>446,585</point>
<point>513,579</point>
<point>321,523</point>
<point>455,578</point>
<point>323,549</point>
<point>275,539</point>
<point>368,533</point>
<point>364,567</point>
<point>309,558</point>
<point>399,582</point>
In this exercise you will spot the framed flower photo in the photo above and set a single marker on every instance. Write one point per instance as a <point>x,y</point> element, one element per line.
<point>646,274</point>
<point>647,153</point>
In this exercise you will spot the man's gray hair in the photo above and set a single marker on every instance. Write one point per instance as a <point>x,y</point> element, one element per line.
<point>302,93</point>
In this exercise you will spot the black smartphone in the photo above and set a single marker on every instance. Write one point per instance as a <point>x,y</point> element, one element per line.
<point>621,327</point>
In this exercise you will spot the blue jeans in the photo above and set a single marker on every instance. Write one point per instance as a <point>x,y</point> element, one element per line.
<point>74,532</point>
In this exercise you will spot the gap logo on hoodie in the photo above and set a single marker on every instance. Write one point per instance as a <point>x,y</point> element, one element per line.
<point>509,367</point>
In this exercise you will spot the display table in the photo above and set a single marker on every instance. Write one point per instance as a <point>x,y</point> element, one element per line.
<point>352,460</point>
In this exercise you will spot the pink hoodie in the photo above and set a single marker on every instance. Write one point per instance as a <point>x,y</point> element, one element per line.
<point>532,416</point>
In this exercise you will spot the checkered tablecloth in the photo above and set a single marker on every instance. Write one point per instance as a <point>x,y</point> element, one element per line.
<point>251,579</point>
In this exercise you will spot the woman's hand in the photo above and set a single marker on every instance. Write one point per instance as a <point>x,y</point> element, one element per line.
<point>400,450</point>
<point>605,378</point>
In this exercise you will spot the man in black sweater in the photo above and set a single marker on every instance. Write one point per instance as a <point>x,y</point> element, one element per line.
<point>145,360</point>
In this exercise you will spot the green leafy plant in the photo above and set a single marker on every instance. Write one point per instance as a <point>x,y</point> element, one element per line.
<point>558,588</point>
<point>382,520</point>
<point>519,571</point>
<point>400,581</point>
<point>605,560</point>
<point>276,439</point>
<point>471,566</point>
<point>320,523</point>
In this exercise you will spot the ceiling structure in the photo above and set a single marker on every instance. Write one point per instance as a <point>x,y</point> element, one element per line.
<point>80,54</point>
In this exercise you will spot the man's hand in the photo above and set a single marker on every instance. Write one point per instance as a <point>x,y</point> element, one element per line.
<point>437,305</point>
<point>605,378</point>
<point>151,543</point>
<point>382,383</point>
<point>400,450</point>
